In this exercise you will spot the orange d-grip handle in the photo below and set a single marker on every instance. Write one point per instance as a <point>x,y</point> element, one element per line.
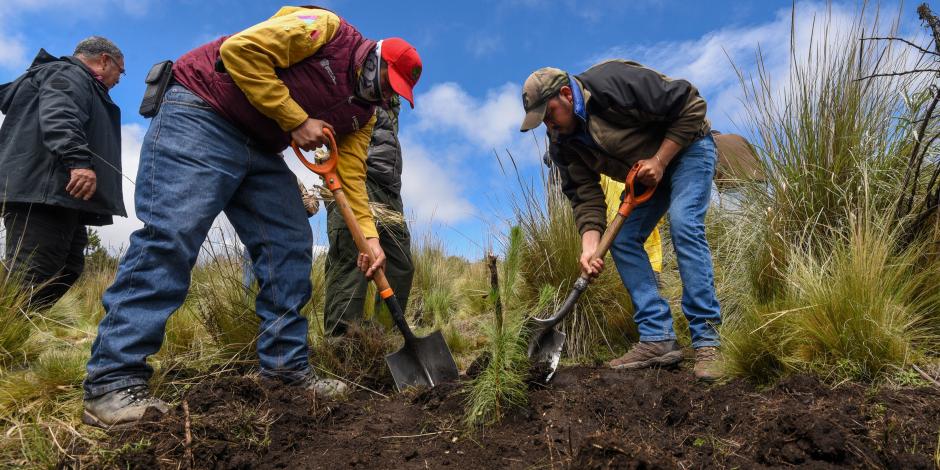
<point>630,200</point>
<point>326,168</point>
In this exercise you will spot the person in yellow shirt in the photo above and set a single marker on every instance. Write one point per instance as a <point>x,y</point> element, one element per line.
<point>215,146</point>
<point>653,245</point>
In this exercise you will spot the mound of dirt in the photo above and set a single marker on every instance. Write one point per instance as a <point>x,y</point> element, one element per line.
<point>586,419</point>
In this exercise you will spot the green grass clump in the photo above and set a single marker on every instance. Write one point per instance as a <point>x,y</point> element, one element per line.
<point>813,277</point>
<point>15,328</point>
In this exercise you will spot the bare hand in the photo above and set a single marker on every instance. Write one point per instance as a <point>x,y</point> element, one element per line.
<point>651,171</point>
<point>82,183</point>
<point>365,263</point>
<point>590,266</point>
<point>311,203</point>
<point>309,135</point>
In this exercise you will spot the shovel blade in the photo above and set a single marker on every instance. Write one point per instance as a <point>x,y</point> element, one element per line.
<point>426,361</point>
<point>545,350</point>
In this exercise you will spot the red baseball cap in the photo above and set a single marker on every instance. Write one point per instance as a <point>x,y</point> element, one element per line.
<point>404,67</point>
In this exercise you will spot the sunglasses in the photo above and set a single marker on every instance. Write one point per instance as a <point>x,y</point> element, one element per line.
<point>116,63</point>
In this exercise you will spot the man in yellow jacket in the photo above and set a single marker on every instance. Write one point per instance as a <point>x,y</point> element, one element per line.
<point>215,146</point>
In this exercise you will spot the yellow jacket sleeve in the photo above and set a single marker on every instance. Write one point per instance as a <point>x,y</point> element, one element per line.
<point>353,150</point>
<point>251,57</point>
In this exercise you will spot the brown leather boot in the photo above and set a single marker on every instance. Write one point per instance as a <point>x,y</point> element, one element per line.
<point>707,365</point>
<point>649,354</point>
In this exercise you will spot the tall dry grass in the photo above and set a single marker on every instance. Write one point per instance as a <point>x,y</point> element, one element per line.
<point>548,265</point>
<point>814,278</point>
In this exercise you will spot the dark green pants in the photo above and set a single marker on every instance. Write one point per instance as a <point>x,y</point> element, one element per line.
<point>345,284</point>
<point>46,244</point>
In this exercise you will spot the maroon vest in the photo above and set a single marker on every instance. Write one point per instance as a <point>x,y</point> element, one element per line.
<point>323,85</point>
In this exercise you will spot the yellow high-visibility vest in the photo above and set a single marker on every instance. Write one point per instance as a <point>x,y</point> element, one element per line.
<point>653,245</point>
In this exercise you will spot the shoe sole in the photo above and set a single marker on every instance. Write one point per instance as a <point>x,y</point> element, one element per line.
<point>666,360</point>
<point>92,420</point>
<point>707,379</point>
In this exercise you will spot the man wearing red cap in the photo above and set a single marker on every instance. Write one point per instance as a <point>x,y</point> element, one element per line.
<point>215,146</point>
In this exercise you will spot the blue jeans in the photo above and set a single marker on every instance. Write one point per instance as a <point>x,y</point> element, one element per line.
<point>193,166</point>
<point>685,192</point>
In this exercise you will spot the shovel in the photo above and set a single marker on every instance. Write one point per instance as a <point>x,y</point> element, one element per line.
<point>546,342</point>
<point>424,361</point>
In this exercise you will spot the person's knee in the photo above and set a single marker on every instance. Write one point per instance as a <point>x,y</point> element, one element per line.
<point>686,231</point>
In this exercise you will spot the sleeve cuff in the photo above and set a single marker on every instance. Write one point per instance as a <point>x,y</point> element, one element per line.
<point>368,229</point>
<point>681,139</point>
<point>292,116</point>
<point>586,227</point>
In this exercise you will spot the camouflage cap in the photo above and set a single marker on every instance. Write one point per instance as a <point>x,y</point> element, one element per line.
<point>543,84</point>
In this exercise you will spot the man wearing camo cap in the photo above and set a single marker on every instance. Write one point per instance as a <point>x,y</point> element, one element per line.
<point>603,121</point>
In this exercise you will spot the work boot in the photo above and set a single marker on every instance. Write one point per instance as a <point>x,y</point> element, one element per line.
<point>707,367</point>
<point>121,407</point>
<point>649,354</point>
<point>324,388</point>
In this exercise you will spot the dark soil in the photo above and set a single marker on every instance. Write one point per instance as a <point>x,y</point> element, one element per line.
<point>586,419</point>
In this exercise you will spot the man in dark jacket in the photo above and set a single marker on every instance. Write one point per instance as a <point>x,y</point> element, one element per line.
<point>60,161</point>
<point>215,146</point>
<point>345,285</point>
<point>603,121</point>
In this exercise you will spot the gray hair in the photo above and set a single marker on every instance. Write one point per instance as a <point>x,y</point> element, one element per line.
<point>97,45</point>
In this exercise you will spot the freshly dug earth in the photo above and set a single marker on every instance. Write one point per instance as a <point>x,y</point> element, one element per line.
<point>586,419</point>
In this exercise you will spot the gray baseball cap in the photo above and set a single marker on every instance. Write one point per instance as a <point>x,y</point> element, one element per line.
<point>543,84</point>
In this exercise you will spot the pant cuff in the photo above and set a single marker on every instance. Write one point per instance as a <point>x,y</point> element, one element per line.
<point>702,343</point>
<point>644,339</point>
<point>95,391</point>
<point>286,376</point>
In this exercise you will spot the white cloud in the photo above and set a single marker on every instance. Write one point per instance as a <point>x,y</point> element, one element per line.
<point>491,123</point>
<point>84,8</point>
<point>12,50</point>
<point>12,45</point>
<point>707,61</point>
<point>481,45</point>
<point>429,190</point>
<point>448,147</point>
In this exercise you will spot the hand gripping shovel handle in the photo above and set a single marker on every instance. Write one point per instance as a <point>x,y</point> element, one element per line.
<point>327,170</point>
<point>630,201</point>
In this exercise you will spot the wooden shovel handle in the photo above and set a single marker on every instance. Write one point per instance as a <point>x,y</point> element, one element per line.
<point>327,169</point>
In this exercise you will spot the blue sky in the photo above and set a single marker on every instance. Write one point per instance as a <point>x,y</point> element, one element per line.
<point>475,54</point>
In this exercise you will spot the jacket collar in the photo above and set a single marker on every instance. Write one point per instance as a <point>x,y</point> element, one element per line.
<point>579,101</point>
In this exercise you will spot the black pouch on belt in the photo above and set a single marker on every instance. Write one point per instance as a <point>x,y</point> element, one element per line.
<point>157,80</point>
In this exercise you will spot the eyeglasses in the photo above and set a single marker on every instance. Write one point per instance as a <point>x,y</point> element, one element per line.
<point>116,63</point>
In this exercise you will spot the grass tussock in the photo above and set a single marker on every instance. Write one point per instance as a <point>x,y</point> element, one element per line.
<point>358,356</point>
<point>813,277</point>
<point>15,327</point>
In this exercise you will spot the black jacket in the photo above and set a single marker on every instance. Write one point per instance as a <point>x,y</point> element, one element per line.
<point>630,109</point>
<point>384,161</point>
<point>59,117</point>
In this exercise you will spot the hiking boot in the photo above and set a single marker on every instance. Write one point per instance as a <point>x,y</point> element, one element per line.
<point>649,354</point>
<point>707,367</point>
<point>324,388</point>
<point>121,407</point>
